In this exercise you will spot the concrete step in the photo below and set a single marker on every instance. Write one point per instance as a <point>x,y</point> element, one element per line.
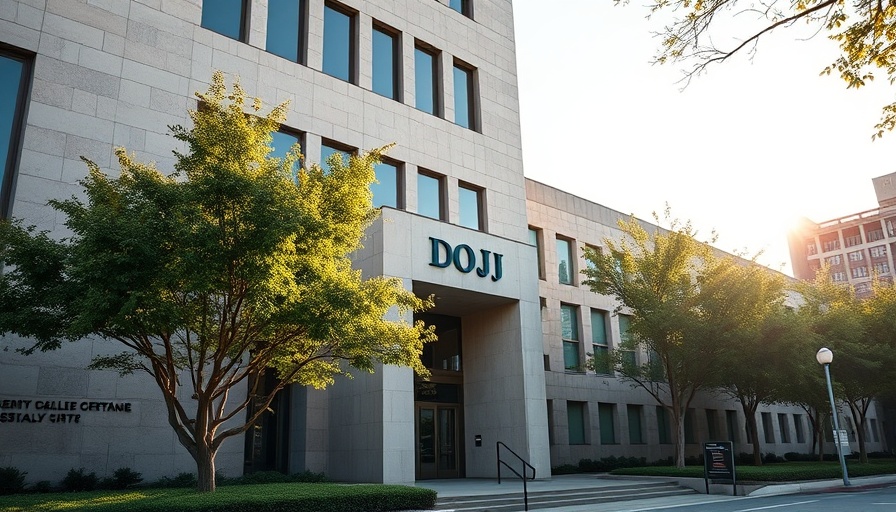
<point>512,502</point>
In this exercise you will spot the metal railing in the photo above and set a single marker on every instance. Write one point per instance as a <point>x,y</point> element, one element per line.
<point>524,476</point>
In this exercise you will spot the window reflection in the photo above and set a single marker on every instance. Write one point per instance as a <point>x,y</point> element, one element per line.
<point>338,52</point>
<point>225,17</point>
<point>463,94</point>
<point>426,88</point>
<point>281,143</point>
<point>429,196</point>
<point>385,190</point>
<point>285,28</point>
<point>14,71</point>
<point>385,80</point>
<point>326,151</point>
<point>469,207</point>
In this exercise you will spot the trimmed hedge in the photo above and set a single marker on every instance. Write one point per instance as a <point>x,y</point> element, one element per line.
<point>295,497</point>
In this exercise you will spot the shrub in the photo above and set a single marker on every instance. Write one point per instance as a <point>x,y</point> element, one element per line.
<point>78,480</point>
<point>12,480</point>
<point>771,458</point>
<point>42,487</point>
<point>565,469</point>
<point>181,480</point>
<point>309,477</point>
<point>122,478</point>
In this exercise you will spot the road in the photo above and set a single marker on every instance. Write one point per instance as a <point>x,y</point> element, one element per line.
<point>871,500</point>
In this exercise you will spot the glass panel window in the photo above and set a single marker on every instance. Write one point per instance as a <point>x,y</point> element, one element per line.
<point>833,260</point>
<point>784,427</point>
<point>285,28</point>
<point>879,251</point>
<point>327,150</point>
<point>564,260</point>
<point>429,196</point>
<point>602,363</point>
<point>768,429</point>
<point>464,104</point>
<point>712,424</point>
<point>385,189</point>
<point>575,413</point>
<point>470,207</point>
<point>462,6</point>
<point>731,420</point>
<point>856,256</point>
<point>606,414</point>
<point>339,54</point>
<point>798,428</point>
<point>635,424</point>
<point>663,425</point>
<point>385,63</point>
<point>281,143</point>
<point>690,436</point>
<point>569,324</point>
<point>629,357</point>
<point>226,17</point>
<point>535,238</point>
<point>16,71</point>
<point>426,81</point>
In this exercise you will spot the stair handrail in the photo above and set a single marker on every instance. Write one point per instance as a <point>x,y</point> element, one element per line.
<point>524,477</point>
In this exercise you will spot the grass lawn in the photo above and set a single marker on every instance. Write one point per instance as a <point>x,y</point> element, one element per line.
<point>777,472</point>
<point>292,497</point>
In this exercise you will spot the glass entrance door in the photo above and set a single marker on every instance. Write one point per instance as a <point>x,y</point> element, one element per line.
<point>437,441</point>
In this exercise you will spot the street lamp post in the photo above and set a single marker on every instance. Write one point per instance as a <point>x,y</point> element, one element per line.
<point>824,357</point>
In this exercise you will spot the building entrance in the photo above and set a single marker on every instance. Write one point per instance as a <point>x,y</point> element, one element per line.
<point>438,404</point>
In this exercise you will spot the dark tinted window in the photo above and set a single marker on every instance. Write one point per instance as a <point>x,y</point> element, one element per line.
<point>226,17</point>
<point>461,6</point>
<point>426,90</point>
<point>385,58</point>
<point>285,28</point>
<point>429,196</point>
<point>338,53</point>
<point>15,70</point>
<point>385,191</point>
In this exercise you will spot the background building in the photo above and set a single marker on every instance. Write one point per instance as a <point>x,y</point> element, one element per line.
<point>856,246</point>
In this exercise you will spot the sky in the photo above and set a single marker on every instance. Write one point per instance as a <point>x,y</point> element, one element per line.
<point>746,149</point>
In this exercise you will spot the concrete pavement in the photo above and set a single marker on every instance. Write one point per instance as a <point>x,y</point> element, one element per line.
<point>486,487</point>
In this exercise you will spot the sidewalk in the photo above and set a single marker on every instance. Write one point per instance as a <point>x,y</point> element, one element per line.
<point>486,487</point>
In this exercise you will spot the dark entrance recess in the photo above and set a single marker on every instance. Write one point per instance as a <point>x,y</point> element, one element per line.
<point>438,411</point>
<point>267,441</point>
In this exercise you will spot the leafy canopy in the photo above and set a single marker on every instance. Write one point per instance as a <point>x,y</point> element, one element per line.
<point>865,31</point>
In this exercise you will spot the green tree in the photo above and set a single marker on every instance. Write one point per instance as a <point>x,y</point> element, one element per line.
<point>861,362</point>
<point>697,33</point>
<point>232,265</point>
<point>759,335</point>
<point>655,276</point>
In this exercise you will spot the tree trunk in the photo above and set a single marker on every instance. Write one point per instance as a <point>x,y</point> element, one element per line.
<point>205,468</point>
<point>678,419</point>
<point>858,419</point>
<point>750,417</point>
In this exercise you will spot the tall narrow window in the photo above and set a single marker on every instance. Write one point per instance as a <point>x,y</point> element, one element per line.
<point>286,28</point>
<point>339,43</point>
<point>470,207</point>
<point>663,425</point>
<point>464,97</point>
<point>15,68</point>
<point>564,260</point>
<point>385,190</point>
<point>385,63</point>
<point>690,432</point>
<point>768,429</point>
<point>635,424</point>
<point>429,196</point>
<point>629,357</point>
<point>575,415</point>
<point>602,363</point>
<point>798,427</point>
<point>569,325</point>
<point>328,149</point>
<point>535,238</point>
<point>731,420</point>
<point>281,143</point>
<point>426,79</point>
<point>606,416</point>
<point>712,424</point>
<point>784,427</point>
<point>226,17</point>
